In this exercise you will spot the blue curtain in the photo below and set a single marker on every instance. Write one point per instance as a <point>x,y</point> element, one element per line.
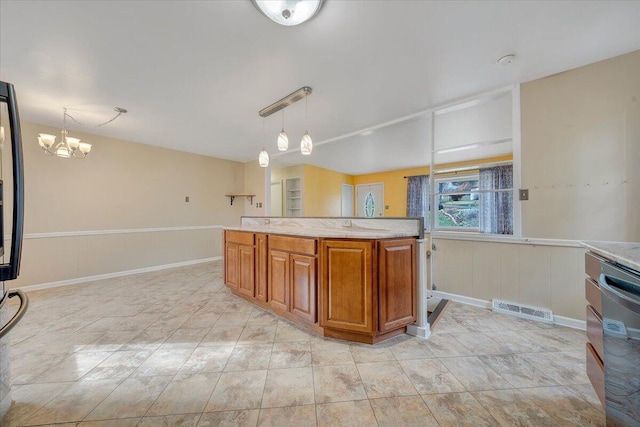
<point>496,208</point>
<point>418,198</point>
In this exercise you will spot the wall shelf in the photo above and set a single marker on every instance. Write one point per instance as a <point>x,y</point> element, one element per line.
<point>248,196</point>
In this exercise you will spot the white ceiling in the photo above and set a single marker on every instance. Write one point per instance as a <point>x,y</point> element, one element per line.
<point>194,75</point>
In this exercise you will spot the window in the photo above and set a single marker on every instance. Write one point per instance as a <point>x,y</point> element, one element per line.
<point>477,202</point>
<point>458,206</point>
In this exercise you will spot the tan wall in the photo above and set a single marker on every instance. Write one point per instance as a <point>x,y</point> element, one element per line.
<point>121,185</point>
<point>581,152</point>
<point>254,183</point>
<point>323,191</point>
<point>542,276</point>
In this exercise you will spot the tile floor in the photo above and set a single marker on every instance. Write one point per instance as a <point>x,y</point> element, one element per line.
<point>175,348</point>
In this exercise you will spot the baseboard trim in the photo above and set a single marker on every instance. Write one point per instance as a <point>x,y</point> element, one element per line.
<point>116,274</point>
<point>557,320</point>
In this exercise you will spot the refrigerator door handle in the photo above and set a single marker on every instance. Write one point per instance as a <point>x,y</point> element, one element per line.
<point>11,270</point>
<point>24,304</point>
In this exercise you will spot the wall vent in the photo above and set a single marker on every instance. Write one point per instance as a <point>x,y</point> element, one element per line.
<point>524,311</point>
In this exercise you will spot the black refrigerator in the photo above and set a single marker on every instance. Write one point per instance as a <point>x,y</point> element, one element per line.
<point>11,247</point>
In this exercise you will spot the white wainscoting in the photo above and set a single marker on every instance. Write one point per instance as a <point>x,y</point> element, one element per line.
<point>56,259</point>
<point>542,274</point>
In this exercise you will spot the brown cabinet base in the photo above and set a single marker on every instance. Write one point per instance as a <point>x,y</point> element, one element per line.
<point>366,339</point>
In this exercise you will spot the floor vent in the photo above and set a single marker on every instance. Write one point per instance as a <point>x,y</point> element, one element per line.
<point>524,311</point>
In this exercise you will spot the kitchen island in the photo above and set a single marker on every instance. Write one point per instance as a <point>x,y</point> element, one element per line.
<point>347,278</point>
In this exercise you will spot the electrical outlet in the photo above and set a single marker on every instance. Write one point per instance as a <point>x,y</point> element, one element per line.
<point>266,221</point>
<point>186,199</point>
<point>346,223</point>
<point>524,194</point>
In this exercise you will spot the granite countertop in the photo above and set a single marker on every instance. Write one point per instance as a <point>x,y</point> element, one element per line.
<point>624,253</point>
<point>346,232</point>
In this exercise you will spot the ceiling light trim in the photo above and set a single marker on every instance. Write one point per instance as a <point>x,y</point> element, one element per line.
<point>289,13</point>
<point>283,103</point>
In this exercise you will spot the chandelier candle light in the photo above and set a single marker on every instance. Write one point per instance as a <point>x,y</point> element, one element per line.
<point>306,144</point>
<point>69,147</point>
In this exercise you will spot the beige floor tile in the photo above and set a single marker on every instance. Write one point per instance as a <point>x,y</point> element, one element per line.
<point>385,379</point>
<point>586,393</point>
<point>299,416</point>
<point>249,357</point>
<point>346,414</point>
<point>445,345</point>
<point>222,335</point>
<point>201,320</point>
<point>337,383</point>
<point>479,343</point>
<point>238,390</point>
<point>474,375</point>
<point>147,340</point>
<point>133,397</point>
<point>183,420</point>
<point>73,404</point>
<point>163,362</point>
<point>430,376</point>
<point>119,365</point>
<point>565,406</point>
<point>458,410</point>
<point>511,408</point>
<point>328,353</point>
<point>364,353</point>
<point>286,333</point>
<point>233,318</point>
<point>185,394</point>
<point>126,422</point>
<point>246,418</point>
<point>514,341</point>
<point>207,359</point>
<point>262,318</point>
<point>296,354</point>
<point>288,387</point>
<point>411,348</point>
<point>406,411</point>
<point>257,335</point>
<point>31,397</point>
<point>185,338</point>
<point>518,370</point>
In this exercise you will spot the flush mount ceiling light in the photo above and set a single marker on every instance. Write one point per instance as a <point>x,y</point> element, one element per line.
<point>288,12</point>
<point>506,59</point>
<point>69,147</point>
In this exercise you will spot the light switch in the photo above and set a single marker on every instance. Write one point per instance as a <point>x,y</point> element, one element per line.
<point>186,199</point>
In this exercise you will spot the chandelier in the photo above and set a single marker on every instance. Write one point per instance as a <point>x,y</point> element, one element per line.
<point>306,144</point>
<point>68,146</point>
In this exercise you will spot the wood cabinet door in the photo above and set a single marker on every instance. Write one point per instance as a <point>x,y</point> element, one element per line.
<point>303,287</point>
<point>346,287</point>
<point>231,265</point>
<point>278,280</point>
<point>246,270</point>
<point>261,267</point>
<point>396,283</point>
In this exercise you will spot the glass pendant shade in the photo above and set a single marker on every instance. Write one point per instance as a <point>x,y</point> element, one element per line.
<point>283,141</point>
<point>46,141</point>
<point>289,12</point>
<point>306,144</point>
<point>73,143</point>
<point>263,158</point>
<point>84,148</point>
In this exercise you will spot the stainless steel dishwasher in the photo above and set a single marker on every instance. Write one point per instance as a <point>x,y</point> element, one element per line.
<point>620,289</point>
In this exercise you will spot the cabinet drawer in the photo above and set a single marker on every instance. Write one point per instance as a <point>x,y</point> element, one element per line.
<point>592,265</point>
<point>293,244</point>
<point>593,295</point>
<point>595,372</point>
<point>594,331</point>
<point>242,237</point>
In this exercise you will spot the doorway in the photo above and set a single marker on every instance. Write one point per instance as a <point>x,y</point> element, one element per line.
<point>276,198</point>
<point>347,200</point>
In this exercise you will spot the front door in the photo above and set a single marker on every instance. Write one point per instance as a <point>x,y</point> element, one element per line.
<point>370,200</point>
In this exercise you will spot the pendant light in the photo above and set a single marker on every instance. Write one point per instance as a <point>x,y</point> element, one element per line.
<point>263,158</point>
<point>306,144</point>
<point>283,139</point>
